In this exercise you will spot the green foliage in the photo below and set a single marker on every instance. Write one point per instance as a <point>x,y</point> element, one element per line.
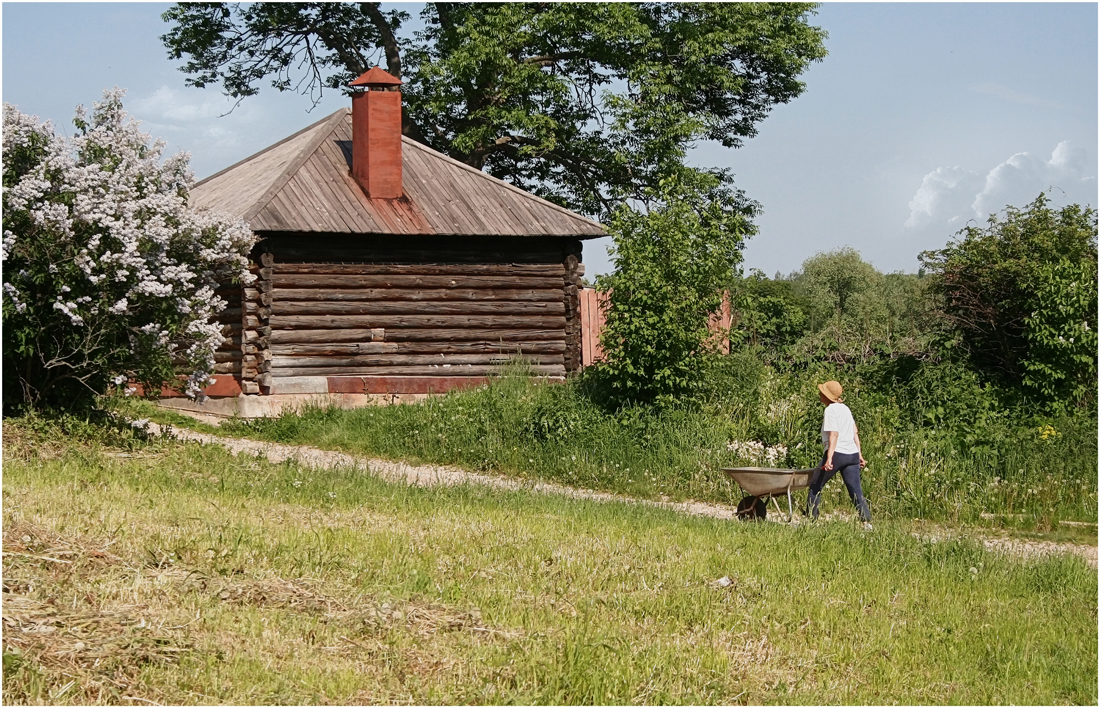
<point>1061,360</point>
<point>767,313</point>
<point>1021,295</point>
<point>585,104</point>
<point>673,262</point>
<point>834,281</point>
<point>837,308</point>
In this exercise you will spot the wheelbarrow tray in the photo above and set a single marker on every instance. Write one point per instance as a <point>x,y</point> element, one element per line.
<point>766,481</point>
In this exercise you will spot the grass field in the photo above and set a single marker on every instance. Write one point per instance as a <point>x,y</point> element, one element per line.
<point>555,432</point>
<point>174,573</point>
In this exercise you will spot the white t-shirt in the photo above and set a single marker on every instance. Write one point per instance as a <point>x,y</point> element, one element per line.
<point>838,417</point>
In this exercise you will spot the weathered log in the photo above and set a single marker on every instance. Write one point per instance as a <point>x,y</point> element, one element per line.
<point>267,259</point>
<point>251,321</point>
<point>543,269</point>
<point>416,321</point>
<point>327,336</point>
<point>228,355</point>
<point>574,269</point>
<point>298,362</point>
<point>461,370</point>
<point>555,347</point>
<point>389,307</point>
<point>282,280</point>
<point>253,308</point>
<point>250,387</point>
<point>255,336</point>
<point>260,273</point>
<point>418,294</point>
<point>264,379</point>
<point>227,367</point>
<point>257,295</point>
<point>308,249</point>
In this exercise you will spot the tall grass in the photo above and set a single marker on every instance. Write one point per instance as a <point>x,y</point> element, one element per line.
<point>192,576</point>
<point>754,416</point>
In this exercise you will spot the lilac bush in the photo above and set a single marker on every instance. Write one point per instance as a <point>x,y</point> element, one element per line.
<point>108,276</point>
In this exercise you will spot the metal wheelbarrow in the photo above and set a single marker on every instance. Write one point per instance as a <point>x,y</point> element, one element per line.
<point>764,483</point>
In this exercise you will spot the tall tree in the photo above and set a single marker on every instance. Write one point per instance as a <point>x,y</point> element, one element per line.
<point>585,104</point>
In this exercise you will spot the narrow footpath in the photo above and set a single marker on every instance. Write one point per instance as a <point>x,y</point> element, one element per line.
<point>431,475</point>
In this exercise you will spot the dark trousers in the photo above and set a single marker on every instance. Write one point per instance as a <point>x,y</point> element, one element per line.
<point>848,467</point>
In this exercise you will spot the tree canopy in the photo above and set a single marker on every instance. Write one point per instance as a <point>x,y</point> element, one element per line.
<point>585,104</point>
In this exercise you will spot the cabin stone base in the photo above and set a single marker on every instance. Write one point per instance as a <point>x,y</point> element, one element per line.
<point>214,410</point>
<point>293,393</point>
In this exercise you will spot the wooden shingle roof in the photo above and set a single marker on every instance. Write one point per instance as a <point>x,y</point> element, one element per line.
<point>303,183</point>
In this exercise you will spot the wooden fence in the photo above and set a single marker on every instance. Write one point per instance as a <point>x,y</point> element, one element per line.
<point>593,317</point>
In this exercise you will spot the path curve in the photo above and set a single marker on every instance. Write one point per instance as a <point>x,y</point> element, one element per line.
<point>429,475</point>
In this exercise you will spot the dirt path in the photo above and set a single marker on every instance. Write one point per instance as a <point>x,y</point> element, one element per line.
<point>428,475</point>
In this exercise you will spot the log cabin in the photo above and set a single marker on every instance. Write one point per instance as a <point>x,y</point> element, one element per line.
<point>386,268</point>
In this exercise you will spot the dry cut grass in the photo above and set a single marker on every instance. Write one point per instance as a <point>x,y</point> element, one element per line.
<point>172,573</point>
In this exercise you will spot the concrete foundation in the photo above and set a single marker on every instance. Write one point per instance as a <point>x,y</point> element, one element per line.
<point>293,393</point>
<point>214,410</point>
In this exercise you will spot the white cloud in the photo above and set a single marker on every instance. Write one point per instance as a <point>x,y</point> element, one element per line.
<point>945,192</point>
<point>951,196</point>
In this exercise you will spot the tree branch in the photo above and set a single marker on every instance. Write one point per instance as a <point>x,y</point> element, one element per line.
<point>548,59</point>
<point>389,42</point>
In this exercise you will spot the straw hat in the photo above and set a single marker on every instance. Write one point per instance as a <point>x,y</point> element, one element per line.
<point>831,390</point>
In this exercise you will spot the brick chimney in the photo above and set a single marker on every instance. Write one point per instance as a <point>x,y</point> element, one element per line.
<point>376,134</point>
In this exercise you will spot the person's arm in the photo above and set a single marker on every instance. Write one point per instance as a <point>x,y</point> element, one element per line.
<point>833,435</point>
<point>859,448</point>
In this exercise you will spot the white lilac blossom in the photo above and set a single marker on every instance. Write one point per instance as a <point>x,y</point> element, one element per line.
<point>757,451</point>
<point>98,230</point>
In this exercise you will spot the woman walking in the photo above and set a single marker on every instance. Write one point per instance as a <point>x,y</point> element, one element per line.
<point>840,437</point>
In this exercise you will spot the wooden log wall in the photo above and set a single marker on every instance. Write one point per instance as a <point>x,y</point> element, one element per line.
<point>257,356</point>
<point>423,307</point>
<point>228,357</point>
<point>573,334</point>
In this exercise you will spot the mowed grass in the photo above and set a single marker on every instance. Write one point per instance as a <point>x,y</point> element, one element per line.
<point>175,573</point>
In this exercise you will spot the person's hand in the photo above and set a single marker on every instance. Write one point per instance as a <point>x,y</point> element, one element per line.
<point>862,462</point>
<point>828,466</point>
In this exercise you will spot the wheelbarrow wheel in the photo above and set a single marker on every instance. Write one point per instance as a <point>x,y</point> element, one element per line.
<point>752,509</point>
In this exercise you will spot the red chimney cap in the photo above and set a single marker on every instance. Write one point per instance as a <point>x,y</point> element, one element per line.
<point>376,77</point>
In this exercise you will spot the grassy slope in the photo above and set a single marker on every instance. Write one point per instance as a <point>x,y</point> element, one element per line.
<point>283,585</point>
<point>554,432</point>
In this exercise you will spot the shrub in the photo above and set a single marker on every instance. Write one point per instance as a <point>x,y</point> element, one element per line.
<point>673,262</point>
<point>1021,294</point>
<point>108,276</point>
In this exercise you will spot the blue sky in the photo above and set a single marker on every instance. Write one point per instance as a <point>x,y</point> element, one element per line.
<point>923,117</point>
